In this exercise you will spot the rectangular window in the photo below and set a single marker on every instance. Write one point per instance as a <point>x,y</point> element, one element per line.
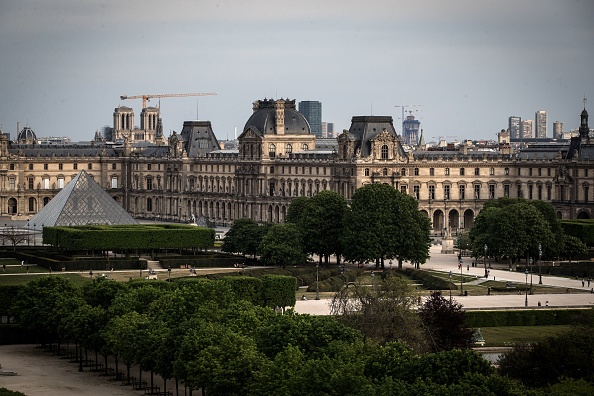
<point>31,183</point>
<point>60,182</point>
<point>446,192</point>
<point>45,166</point>
<point>191,184</point>
<point>530,190</point>
<point>11,183</point>
<point>529,171</point>
<point>431,171</point>
<point>477,191</point>
<point>549,192</point>
<point>60,166</point>
<point>90,166</point>
<point>431,192</point>
<point>506,191</point>
<point>491,191</point>
<point>461,171</point>
<point>46,184</point>
<point>539,171</point>
<point>477,172</point>
<point>149,183</point>
<point>403,189</point>
<point>447,171</point>
<point>539,191</point>
<point>416,191</point>
<point>114,182</point>
<point>75,166</point>
<point>462,192</point>
<point>30,166</point>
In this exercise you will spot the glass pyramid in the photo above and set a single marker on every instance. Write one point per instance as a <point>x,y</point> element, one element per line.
<point>81,202</point>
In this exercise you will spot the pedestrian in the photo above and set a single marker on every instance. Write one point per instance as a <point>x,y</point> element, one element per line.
<point>589,280</point>
<point>583,282</point>
<point>4,269</point>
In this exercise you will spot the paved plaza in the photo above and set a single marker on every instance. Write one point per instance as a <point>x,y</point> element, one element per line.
<point>449,262</point>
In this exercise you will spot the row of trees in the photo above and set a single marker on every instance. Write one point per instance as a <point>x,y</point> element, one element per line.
<point>200,333</point>
<point>515,228</point>
<point>380,224</point>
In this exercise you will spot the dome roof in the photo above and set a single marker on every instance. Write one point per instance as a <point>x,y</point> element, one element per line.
<point>26,134</point>
<point>264,118</point>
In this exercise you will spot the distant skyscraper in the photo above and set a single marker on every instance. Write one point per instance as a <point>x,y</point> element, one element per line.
<point>410,130</point>
<point>312,111</point>
<point>557,130</point>
<point>324,129</point>
<point>540,124</point>
<point>514,126</point>
<point>526,130</point>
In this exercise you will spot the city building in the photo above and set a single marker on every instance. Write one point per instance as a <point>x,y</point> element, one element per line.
<point>540,124</point>
<point>514,124</point>
<point>410,130</point>
<point>278,158</point>
<point>526,129</point>
<point>312,111</point>
<point>557,130</point>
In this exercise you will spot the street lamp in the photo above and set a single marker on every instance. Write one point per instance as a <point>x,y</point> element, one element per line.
<point>539,267</point>
<point>526,302</point>
<point>169,272</point>
<point>317,281</point>
<point>485,260</point>
<point>450,287</point>
<point>531,271</point>
<point>461,278</point>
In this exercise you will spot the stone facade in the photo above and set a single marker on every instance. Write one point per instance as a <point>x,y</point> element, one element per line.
<point>277,160</point>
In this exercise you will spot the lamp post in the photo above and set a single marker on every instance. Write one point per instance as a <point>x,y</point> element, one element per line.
<point>35,234</point>
<point>485,259</point>
<point>317,281</point>
<point>28,235</point>
<point>531,271</point>
<point>526,302</point>
<point>450,287</point>
<point>461,279</point>
<point>539,267</point>
<point>169,272</point>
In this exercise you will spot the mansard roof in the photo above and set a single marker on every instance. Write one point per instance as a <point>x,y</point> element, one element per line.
<point>37,150</point>
<point>263,120</point>
<point>365,128</point>
<point>198,138</point>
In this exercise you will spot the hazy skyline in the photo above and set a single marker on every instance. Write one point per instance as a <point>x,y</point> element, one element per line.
<point>469,64</point>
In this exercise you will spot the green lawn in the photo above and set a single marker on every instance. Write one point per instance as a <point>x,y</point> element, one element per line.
<point>509,335</point>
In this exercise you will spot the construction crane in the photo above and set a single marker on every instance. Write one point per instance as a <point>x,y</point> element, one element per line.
<point>147,98</point>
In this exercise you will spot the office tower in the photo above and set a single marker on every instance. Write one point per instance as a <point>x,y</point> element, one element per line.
<point>526,130</point>
<point>540,124</point>
<point>557,130</point>
<point>514,126</point>
<point>410,130</point>
<point>312,111</point>
<point>324,129</point>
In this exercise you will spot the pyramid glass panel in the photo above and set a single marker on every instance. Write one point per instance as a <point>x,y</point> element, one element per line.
<point>81,202</point>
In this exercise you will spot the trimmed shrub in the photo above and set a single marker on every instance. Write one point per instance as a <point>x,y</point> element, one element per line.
<point>428,280</point>
<point>279,291</point>
<point>582,229</point>
<point>539,317</point>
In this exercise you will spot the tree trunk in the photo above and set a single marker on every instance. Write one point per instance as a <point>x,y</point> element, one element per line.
<point>399,264</point>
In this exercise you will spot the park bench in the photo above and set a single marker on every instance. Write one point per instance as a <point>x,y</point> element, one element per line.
<point>152,390</point>
<point>139,385</point>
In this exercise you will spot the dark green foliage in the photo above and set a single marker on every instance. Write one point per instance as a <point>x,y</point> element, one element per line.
<point>540,317</point>
<point>7,392</point>
<point>279,291</point>
<point>246,288</point>
<point>283,245</point>
<point>582,229</point>
<point>568,355</point>
<point>129,237</point>
<point>334,283</point>
<point>443,320</point>
<point>245,237</point>
<point>8,294</point>
<point>429,281</point>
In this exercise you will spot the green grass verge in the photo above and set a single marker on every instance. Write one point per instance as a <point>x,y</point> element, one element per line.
<point>510,335</point>
<point>24,279</point>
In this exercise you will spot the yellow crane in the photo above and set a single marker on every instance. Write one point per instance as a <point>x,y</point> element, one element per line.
<point>146,98</point>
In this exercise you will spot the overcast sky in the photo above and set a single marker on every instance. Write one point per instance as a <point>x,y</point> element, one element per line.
<point>469,65</point>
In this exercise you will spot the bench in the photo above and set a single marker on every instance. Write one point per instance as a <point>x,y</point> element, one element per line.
<point>154,390</point>
<point>139,385</point>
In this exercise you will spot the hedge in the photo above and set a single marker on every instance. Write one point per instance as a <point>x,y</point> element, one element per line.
<point>335,283</point>
<point>8,294</point>
<point>582,229</point>
<point>539,317</point>
<point>279,291</point>
<point>129,237</point>
<point>429,281</point>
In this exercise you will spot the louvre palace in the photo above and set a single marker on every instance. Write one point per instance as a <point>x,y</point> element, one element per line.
<point>190,175</point>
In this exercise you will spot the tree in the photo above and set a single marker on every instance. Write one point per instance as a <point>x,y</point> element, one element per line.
<point>444,323</point>
<point>244,236</point>
<point>572,247</point>
<point>296,209</point>
<point>320,222</point>
<point>383,223</point>
<point>282,245</point>
<point>383,312</point>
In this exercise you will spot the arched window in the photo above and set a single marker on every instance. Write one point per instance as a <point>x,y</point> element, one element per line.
<point>385,171</point>
<point>366,171</point>
<point>289,148</point>
<point>31,204</point>
<point>304,147</point>
<point>385,151</point>
<point>271,150</point>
